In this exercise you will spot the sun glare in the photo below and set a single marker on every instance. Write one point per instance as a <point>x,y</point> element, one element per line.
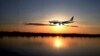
<point>59,25</point>
<point>59,28</point>
<point>58,42</point>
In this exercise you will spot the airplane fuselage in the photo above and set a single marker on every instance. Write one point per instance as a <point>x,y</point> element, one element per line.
<point>58,22</point>
<point>62,22</point>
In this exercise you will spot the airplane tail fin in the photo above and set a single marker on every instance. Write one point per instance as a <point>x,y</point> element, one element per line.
<point>72,18</point>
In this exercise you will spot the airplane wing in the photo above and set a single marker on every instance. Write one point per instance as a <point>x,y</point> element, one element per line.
<point>71,25</point>
<point>39,24</point>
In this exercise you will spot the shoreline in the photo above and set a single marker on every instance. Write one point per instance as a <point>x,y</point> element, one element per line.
<point>30,34</point>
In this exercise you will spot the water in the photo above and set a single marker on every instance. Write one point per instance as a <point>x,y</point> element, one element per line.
<point>49,46</point>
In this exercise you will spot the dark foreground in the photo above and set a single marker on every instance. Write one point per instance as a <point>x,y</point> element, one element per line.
<point>49,46</point>
<point>30,34</point>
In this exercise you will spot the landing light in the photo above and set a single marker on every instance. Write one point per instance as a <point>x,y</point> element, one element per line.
<point>59,25</point>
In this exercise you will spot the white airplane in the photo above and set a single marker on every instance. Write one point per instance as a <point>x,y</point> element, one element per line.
<point>54,23</point>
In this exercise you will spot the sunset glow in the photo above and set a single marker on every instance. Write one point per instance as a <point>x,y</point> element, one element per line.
<point>58,42</point>
<point>58,28</point>
<point>14,15</point>
<point>49,27</point>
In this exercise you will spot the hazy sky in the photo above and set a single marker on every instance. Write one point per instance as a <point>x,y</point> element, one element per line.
<point>86,12</point>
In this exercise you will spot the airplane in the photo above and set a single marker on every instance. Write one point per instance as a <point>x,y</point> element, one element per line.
<point>54,23</point>
<point>62,22</point>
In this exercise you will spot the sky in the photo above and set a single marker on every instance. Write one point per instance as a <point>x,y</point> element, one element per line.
<point>14,13</point>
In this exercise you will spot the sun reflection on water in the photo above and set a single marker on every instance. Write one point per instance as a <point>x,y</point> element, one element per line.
<point>58,42</point>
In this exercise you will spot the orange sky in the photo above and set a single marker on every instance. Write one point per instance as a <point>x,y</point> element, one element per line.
<point>49,29</point>
<point>20,26</point>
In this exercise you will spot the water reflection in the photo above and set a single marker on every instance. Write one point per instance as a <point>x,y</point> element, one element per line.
<point>58,46</point>
<point>58,42</point>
